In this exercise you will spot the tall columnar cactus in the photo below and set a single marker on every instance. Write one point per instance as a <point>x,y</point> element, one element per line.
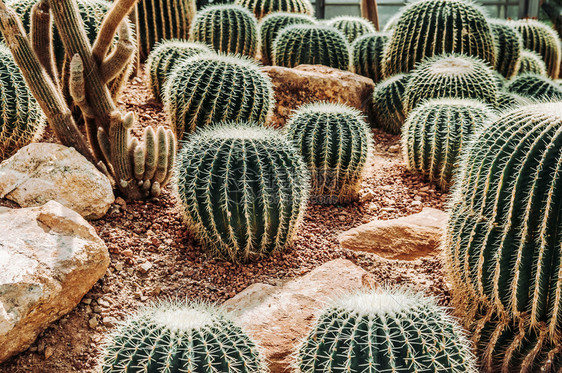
<point>352,27</point>
<point>227,28</point>
<point>531,62</point>
<point>388,103</point>
<point>454,76</point>
<point>433,27</point>
<point>535,86</point>
<point>262,8</point>
<point>271,25</point>
<point>165,56</point>
<point>509,45</point>
<point>181,337</point>
<point>311,44</point>
<point>243,188</point>
<point>393,330</point>
<point>214,88</point>
<point>335,142</point>
<point>435,133</point>
<point>367,53</point>
<point>21,121</point>
<point>503,239</point>
<point>163,20</point>
<point>543,40</point>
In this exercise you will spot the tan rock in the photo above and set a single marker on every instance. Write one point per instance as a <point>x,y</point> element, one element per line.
<point>309,83</point>
<point>49,258</point>
<point>405,238</point>
<point>42,172</point>
<point>278,317</point>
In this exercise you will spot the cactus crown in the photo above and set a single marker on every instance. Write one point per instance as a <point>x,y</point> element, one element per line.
<point>367,53</point>
<point>536,87</point>
<point>509,45</point>
<point>352,27</point>
<point>262,8</point>
<point>531,62</point>
<point>388,103</point>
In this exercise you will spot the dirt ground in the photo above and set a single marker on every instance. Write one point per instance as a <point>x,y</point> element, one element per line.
<point>153,232</point>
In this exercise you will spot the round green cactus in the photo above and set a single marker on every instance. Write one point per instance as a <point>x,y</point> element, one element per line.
<point>432,27</point>
<point>385,331</point>
<point>178,337</point>
<point>509,45</point>
<point>213,88</point>
<point>227,28</point>
<point>454,76</point>
<point>507,100</point>
<point>532,63</point>
<point>535,86</point>
<point>165,56</point>
<point>388,103</point>
<point>435,133</point>
<point>243,188</point>
<point>392,21</point>
<point>542,39</point>
<point>367,52</point>
<point>271,25</point>
<point>311,44</point>
<point>262,8</point>
<point>335,142</point>
<point>503,239</point>
<point>352,27</point>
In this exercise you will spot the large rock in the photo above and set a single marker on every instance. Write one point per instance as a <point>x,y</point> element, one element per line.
<point>406,238</point>
<point>41,172</point>
<point>278,317</point>
<point>49,258</point>
<point>309,83</point>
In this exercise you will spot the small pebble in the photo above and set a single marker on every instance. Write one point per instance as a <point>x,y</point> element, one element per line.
<point>93,322</point>
<point>145,267</point>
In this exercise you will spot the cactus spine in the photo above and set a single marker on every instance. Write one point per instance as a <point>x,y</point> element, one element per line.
<point>271,25</point>
<point>532,63</point>
<point>385,331</point>
<point>509,45</point>
<point>432,27</point>
<point>535,87</point>
<point>352,27</point>
<point>181,337</point>
<point>435,133</point>
<point>507,100</point>
<point>262,8</point>
<point>243,188</point>
<point>367,53</point>
<point>335,142</point>
<point>503,239</point>
<point>214,88</point>
<point>388,103</point>
<point>227,28</point>
<point>311,44</point>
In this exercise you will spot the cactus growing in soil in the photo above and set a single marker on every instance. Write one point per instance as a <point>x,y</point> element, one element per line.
<point>535,86</point>
<point>165,56</point>
<point>367,53</point>
<point>352,27</point>
<point>311,44</point>
<point>543,40</point>
<point>243,188</point>
<point>388,103</point>
<point>509,45</point>
<point>335,142</point>
<point>532,63</point>
<point>227,28</point>
<point>435,133</point>
<point>213,88</point>
<point>503,239</point>
<point>271,25</point>
<point>432,27</point>
<point>454,76</point>
<point>262,8</point>
<point>181,337</point>
<point>393,330</point>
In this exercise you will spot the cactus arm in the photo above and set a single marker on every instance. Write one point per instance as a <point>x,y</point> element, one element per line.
<point>42,37</point>
<point>118,60</point>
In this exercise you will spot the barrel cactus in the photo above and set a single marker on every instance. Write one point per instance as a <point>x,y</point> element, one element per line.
<point>509,45</point>
<point>21,121</point>
<point>508,100</point>
<point>435,133</point>
<point>271,25</point>
<point>531,62</point>
<point>215,88</point>
<point>367,53</point>
<point>352,27</point>
<point>227,28</point>
<point>262,8</point>
<point>243,188</point>
<point>165,56</point>
<point>455,76</point>
<point>392,21</point>
<point>432,27</point>
<point>501,81</point>
<point>535,86</point>
<point>543,40</point>
<point>503,239</point>
<point>311,44</point>
<point>388,103</point>
<point>177,336</point>
<point>389,330</point>
<point>335,142</point>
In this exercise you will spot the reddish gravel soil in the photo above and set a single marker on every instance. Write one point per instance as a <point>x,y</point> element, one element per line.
<point>140,232</point>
